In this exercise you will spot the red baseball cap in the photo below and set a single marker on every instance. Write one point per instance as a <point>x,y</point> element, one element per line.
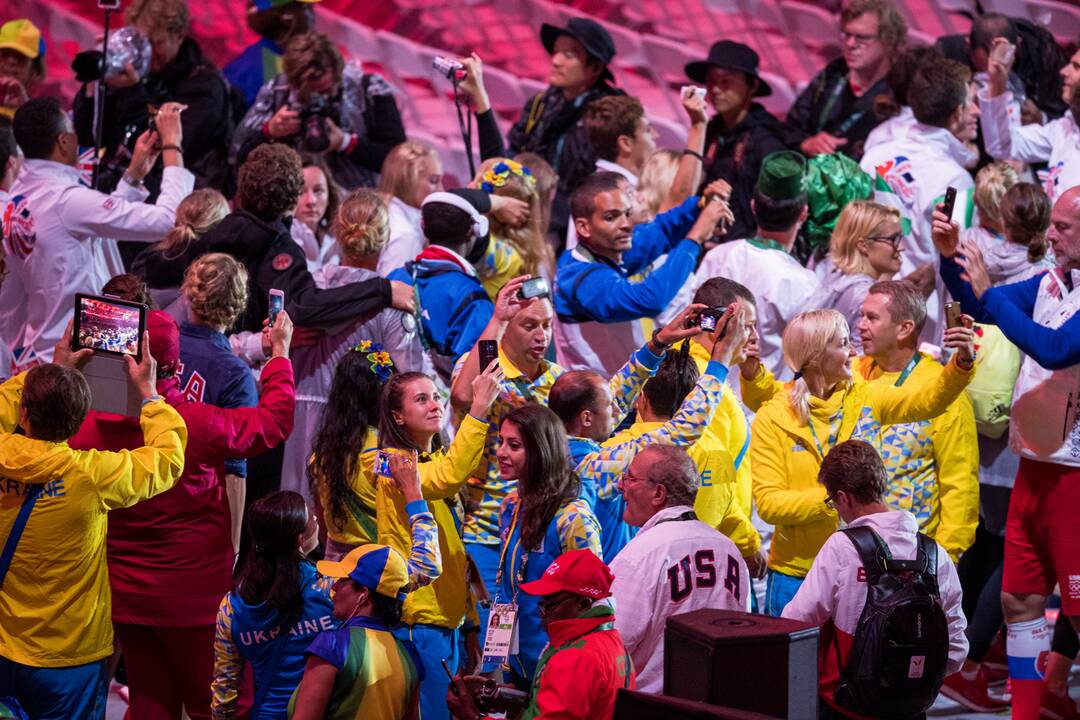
<point>578,571</point>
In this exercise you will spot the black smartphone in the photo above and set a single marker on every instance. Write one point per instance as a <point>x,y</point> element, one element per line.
<point>489,351</point>
<point>532,288</point>
<point>949,202</point>
<point>952,314</point>
<point>109,325</point>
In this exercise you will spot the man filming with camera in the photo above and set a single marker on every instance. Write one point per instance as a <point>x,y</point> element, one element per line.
<point>323,106</point>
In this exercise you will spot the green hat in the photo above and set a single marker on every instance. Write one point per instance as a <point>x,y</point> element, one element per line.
<point>832,182</point>
<point>782,176</point>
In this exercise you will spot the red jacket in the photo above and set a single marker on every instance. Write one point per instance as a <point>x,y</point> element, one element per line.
<point>581,670</point>
<point>171,557</point>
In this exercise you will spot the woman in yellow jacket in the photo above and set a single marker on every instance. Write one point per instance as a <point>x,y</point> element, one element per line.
<point>824,405</point>
<point>410,417</point>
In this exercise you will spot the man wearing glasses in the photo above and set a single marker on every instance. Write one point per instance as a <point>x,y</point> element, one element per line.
<point>835,112</point>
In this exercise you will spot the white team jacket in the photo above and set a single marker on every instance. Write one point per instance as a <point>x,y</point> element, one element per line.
<point>60,238</point>
<point>782,286</point>
<point>835,590</point>
<point>1056,143</point>
<point>917,166</point>
<point>669,568</point>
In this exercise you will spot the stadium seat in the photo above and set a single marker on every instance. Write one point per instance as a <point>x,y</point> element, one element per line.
<point>1060,19</point>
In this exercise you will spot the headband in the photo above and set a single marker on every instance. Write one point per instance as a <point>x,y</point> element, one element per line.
<point>382,365</point>
<point>480,223</point>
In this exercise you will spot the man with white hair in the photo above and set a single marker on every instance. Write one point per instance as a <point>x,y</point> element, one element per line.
<point>674,565</point>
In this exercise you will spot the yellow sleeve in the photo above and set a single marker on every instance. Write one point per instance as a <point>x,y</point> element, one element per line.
<point>760,390</point>
<point>717,501</point>
<point>778,504</point>
<point>10,395</point>
<point>740,530</point>
<point>445,475</point>
<point>956,455</point>
<point>922,397</point>
<point>127,477</point>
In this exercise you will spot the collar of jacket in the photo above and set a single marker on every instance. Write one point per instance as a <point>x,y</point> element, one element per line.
<point>580,447</point>
<point>188,58</point>
<point>562,632</point>
<point>943,141</point>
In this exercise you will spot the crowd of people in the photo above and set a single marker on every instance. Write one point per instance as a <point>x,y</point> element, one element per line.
<point>407,450</point>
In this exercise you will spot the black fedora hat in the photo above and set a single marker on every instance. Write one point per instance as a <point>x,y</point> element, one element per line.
<point>729,55</point>
<point>591,34</point>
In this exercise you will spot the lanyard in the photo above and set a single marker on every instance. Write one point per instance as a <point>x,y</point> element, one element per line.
<point>834,96</point>
<point>907,369</point>
<point>766,244</point>
<point>519,576</point>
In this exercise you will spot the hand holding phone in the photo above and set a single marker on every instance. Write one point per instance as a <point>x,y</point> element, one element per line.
<point>1003,52</point>
<point>952,315</point>
<point>534,288</point>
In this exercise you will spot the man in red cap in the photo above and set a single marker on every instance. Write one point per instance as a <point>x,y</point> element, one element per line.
<point>585,663</point>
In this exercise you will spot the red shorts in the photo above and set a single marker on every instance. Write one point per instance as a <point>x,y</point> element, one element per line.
<point>1042,534</point>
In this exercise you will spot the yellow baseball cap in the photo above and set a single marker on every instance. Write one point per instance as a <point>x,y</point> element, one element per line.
<point>379,568</point>
<point>22,36</point>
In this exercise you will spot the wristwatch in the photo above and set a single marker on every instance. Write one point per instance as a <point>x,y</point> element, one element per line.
<point>132,181</point>
<point>660,343</point>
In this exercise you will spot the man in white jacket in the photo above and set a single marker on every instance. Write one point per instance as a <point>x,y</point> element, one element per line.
<point>675,565</point>
<point>834,592</point>
<point>912,171</point>
<point>1056,143</point>
<point>60,237</point>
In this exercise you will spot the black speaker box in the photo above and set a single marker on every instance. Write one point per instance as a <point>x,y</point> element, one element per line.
<point>758,663</point>
<point>633,705</point>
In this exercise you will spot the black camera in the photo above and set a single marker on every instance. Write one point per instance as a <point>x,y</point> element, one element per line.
<point>314,135</point>
<point>500,698</point>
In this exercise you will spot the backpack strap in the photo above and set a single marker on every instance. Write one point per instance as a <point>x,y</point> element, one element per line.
<point>873,552</point>
<point>29,499</point>
<point>929,550</point>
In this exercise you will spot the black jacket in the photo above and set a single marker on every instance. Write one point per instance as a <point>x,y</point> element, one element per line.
<point>555,130</point>
<point>274,260</point>
<point>191,78</point>
<point>735,155</point>
<point>828,104</point>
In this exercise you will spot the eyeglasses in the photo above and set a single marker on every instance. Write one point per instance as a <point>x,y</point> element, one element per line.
<point>860,40</point>
<point>830,502</point>
<point>551,602</point>
<point>895,239</point>
<point>628,477</point>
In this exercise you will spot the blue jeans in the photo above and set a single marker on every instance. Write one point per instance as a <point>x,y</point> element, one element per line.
<point>79,691</point>
<point>779,591</point>
<point>434,644</point>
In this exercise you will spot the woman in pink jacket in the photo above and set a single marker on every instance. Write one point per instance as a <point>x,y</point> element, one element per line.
<point>171,558</point>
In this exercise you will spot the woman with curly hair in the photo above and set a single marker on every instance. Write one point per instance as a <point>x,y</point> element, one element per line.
<point>216,291</point>
<point>540,520</point>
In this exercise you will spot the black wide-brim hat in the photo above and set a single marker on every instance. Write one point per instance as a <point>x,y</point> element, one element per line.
<point>592,36</point>
<point>730,55</point>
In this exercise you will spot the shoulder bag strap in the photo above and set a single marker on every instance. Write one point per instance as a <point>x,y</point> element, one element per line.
<point>18,526</point>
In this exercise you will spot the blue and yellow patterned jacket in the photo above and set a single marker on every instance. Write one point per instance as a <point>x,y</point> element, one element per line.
<point>486,491</point>
<point>606,465</point>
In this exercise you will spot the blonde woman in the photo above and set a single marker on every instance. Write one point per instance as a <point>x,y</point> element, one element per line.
<point>162,265</point>
<point>547,182</point>
<point>657,176</point>
<point>807,416</point>
<point>412,171</point>
<point>215,291</point>
<point>864,248</point>
<point>517,245</point>
<point>362,229</point>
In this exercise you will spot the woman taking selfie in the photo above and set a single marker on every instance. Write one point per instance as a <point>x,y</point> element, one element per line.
<point>822,406</point>
<point>410,417</point>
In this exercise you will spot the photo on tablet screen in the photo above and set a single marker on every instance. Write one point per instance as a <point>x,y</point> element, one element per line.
<point>107,325</point>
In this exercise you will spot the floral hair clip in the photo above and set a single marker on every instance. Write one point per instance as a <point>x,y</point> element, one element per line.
<point>497,175</point>
<point>382,365</point>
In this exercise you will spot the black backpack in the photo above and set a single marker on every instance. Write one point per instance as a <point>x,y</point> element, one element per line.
<point>901,647</point>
